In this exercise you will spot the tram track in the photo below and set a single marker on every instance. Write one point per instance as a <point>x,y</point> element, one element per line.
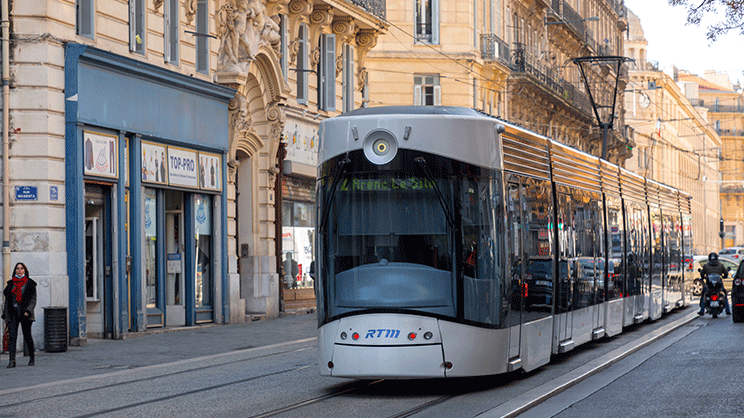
<point>157,376</point>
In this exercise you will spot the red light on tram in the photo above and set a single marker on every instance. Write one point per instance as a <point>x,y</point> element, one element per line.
<point>448,365</point>
<point>355,336</point>
<point>411,336</point>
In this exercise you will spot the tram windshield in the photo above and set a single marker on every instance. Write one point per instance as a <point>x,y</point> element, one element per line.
<point>389,243</point>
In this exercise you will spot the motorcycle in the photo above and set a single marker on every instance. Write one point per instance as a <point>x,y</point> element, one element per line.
<point>737,300</point>
<point>714,295</point>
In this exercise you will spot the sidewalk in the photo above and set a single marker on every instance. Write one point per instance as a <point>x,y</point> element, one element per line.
<point>159,347</point>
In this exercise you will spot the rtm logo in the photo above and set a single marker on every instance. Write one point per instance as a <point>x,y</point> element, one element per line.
<point>378,333</point>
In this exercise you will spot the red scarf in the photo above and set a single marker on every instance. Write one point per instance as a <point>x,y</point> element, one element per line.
<point>18,283</point>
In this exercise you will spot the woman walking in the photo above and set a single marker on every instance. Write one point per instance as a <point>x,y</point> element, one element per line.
<point>18,309</point>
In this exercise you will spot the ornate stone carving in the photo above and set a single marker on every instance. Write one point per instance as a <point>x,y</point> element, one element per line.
<point>244,27</point>
<point>366,39</point>
<point>232,170</point>
<point>190,7</point>
<point>276,117</point>
<point>345,30</point>
<point>156,4</point>
<point>299,11</point>
<point>240,116</point>
<point>320,18</point>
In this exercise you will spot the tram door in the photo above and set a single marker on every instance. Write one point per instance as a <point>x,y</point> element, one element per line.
<point>566,285</point>
<point>515,266</point>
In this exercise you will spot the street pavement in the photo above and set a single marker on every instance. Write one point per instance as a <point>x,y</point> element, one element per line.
<point>155,347</point>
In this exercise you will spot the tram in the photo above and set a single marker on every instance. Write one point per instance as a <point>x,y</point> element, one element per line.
<point>451,243</point>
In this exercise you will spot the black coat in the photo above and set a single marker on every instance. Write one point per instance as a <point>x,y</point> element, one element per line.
<point>28,300</point>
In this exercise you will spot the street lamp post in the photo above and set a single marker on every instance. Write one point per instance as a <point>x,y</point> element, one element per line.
<point>606,123</point>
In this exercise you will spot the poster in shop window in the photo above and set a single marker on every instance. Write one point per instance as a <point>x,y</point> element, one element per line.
<point>154,163</point>
<point>182,167</point>
<point>210,170</point>
<point>99,154</point>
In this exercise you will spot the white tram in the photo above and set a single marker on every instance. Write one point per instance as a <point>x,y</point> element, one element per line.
<point>450,243</point>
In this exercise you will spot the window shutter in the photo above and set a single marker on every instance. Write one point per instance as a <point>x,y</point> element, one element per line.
<point>435,22</point>
<point>417,95</point>
<point>437,95</point>
<point>302,64</point>
<point>132,26</point>
<point>329,73</point>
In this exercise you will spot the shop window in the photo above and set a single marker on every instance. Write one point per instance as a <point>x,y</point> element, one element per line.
<point>298,238</point>
<point>86,18</point>
<point>203,222</point>
<point>137,26</point>
<point>150,249</point>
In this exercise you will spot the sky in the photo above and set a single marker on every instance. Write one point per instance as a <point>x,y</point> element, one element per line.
<point>672,41</point>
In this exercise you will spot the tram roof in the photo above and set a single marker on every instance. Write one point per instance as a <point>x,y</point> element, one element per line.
<point>414,110</point>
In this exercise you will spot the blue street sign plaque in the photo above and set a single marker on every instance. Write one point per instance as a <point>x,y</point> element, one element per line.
<point>26,193</point>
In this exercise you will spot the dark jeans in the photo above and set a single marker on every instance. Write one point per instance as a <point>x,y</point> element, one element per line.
<point>25,324</point>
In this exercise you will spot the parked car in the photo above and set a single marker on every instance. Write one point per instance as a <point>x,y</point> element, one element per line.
<point>736,253</point>
<point>731,265</point>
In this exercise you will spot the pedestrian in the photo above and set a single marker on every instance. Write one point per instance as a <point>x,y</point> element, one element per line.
<point>18,309</point>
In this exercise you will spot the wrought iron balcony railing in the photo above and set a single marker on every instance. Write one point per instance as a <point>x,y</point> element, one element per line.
<point>494,49</point>
<point>548,75</point>
<point>375,7</point>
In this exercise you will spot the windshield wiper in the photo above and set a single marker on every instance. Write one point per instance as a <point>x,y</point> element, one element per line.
<point>425,168</point>
<point>340,170</point>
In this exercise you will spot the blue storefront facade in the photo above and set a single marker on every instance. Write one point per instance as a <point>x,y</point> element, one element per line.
<point>146,208</point>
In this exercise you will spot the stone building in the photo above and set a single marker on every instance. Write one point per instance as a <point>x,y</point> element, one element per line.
<point>724,102</point>
<point>146,144</point>
<point>675,142</point>
<point>508,59</point>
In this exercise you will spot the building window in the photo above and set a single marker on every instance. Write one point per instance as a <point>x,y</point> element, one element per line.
<point>86,17</point>
<point>170,34</point>
<point>427,21</point>
<point>348,83</point>
<point>327,73</point>
<point>426,90</point>
<point>137,26</point>
<point>298,238</point>
<point>302,65</point>
<point>202,38</point>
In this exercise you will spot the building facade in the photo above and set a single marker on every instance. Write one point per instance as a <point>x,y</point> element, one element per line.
<point>508,59</point>
<point>725,105</point>
<point>675,143</point>
<point>147,143</point>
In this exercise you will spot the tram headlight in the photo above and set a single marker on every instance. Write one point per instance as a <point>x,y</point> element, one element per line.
<point>380,146</point>
<point>343,335</point>
<point>428,335</point>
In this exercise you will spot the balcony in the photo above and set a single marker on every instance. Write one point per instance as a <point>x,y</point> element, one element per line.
<point>375,7</point>
<point>730,132</point>
<point>724,108</point>
<point>547,75</point>
<point>564,13</point>
<point>494,49</point>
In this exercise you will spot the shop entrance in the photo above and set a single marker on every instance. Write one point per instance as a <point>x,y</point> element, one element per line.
<point>204,294</point>
<point>98,275</point>
<point>175,311</point>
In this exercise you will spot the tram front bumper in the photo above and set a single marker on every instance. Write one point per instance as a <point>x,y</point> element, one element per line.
<point>381,362</point>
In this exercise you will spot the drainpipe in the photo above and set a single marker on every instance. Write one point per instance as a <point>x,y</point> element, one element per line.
<point>5,23</point>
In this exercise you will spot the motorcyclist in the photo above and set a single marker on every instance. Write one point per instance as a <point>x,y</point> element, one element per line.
<point>713,266</point>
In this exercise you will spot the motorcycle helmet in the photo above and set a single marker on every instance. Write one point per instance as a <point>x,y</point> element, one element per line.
<point>713,257</point>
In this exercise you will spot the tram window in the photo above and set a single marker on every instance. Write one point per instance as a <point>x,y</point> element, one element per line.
<point>481,268</point>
